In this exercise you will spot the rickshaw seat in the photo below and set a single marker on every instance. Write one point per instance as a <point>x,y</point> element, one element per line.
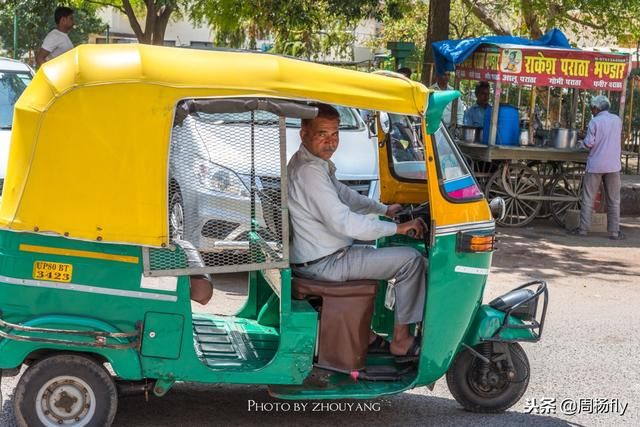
<point>345,319</point>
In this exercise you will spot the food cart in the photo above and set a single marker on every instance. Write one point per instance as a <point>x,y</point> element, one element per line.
<point>535,175</point>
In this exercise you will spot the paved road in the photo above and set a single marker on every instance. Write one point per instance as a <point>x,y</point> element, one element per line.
<point>588,356</point>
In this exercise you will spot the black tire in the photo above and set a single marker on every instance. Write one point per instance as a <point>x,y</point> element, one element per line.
<point>68,387</point>
<point>463,385</point>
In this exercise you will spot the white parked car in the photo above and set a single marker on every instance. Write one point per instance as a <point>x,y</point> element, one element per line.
<point>14,78</point>
<point>210,174</point>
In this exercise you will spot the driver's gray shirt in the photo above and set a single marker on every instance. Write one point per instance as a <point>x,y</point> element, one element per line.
<point>325,214</point>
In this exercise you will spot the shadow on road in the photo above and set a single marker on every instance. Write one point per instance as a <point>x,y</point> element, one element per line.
<point>229,406</point>
<point>543,247</point>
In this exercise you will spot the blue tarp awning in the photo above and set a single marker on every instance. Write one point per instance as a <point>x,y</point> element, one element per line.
<point>448,53</point>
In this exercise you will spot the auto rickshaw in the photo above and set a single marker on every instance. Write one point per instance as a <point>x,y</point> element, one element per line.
<point>94,276</point>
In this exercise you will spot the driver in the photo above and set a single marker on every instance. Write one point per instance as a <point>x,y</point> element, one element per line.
<point>327,216</point>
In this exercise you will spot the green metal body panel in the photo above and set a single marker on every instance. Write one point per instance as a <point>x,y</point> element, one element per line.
<point>453,299</point>
<point>160,333</point>
<point>274,334</point>
<point>108,296</point>
<point>487,322</point>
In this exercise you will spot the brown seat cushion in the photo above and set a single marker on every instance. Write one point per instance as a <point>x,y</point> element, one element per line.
<point>301,288</point>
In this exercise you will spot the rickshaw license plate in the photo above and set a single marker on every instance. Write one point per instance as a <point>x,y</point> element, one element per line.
<point>54,271</point>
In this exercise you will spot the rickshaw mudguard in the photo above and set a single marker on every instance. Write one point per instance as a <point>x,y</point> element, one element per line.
<point>488,321</point>
<point>124,361</point>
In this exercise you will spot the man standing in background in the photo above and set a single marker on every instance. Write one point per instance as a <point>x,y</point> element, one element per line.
<point>57,41</point>
<point>603,165</point>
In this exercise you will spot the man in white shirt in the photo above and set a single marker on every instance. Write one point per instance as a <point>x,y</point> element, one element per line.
<point>327,216</point>
<point>442,83</point>
<point>57,41</point>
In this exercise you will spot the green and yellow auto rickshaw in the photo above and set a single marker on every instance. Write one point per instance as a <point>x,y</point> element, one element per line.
<point>117,155</point>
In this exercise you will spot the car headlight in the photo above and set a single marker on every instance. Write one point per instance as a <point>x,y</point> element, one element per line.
<point>218,178</point>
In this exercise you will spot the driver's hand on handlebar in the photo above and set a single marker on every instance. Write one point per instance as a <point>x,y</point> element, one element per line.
<point>414,228</point>
<point>392,210</point>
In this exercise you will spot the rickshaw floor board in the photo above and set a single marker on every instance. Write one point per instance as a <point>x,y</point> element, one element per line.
<point>233,343</point>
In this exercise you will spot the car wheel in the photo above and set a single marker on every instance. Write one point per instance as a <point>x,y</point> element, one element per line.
<point>489,387</point>
<point>68,390</point>
<point>176,216</point>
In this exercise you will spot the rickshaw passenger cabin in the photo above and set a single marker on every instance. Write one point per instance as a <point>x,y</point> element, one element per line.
<point>91,273</point>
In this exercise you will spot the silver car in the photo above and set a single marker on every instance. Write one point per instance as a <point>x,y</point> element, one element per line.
<point>211,174</point>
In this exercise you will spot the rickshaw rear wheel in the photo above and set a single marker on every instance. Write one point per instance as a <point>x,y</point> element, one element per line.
<point>68,390</point>
<point>488,388</point>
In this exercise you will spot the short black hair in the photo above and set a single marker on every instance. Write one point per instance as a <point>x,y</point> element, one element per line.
<point>62,12</point>
<point>405,71</point>
<point>325,111</point>
<point>481,85</point>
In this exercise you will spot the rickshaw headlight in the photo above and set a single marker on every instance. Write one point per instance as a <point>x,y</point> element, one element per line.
<point>217,178</point>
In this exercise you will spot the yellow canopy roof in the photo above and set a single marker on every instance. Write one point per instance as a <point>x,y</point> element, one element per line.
<point>91,133</point>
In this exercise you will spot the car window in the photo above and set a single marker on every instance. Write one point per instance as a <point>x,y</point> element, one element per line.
<point>12,84</point>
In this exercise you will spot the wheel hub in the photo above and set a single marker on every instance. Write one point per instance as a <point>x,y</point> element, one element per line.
<point>65,401</point>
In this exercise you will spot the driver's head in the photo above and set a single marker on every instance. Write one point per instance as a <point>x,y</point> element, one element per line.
<point>320,135</point>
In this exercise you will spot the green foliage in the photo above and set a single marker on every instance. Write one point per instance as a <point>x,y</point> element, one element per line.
<point>306,28</point>
<point>532,18</point>
<point>35,20</point>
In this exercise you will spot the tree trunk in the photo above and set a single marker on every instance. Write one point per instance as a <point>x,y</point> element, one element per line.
<point>156,21</point>
<point>438,30</point>
<point>161,25</point>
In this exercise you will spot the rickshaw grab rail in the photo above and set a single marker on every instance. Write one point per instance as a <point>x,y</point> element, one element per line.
<point>99,336</point>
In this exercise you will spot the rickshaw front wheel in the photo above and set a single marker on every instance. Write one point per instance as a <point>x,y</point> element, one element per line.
<point>67,390</point>
<point>489,387</point>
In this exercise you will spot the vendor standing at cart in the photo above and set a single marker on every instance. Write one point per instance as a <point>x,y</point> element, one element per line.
<point>603,165</point>
<point>474,116</point>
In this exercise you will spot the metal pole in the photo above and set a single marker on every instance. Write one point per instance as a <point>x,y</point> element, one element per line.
<point>493,130</point>
<point>532,113</point>
<point>519,95</point>
<point>623,94</point>
<point>546,115</point>
<point>584,108</point>
<point>560,110</point>
<point>633,84</point>
<point>15,34</point>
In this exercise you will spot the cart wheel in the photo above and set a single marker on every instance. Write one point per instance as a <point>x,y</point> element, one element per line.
<point>547,171</point>
<point>568,185</point>
<point>482,171</point>
<point>67,390</point>
<point>488,388</point>
<point>519,183</point>
<point>176,216</point>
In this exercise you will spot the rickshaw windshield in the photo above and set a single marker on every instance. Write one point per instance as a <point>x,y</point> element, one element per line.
<point>406,147</point>
<point>458,183</point>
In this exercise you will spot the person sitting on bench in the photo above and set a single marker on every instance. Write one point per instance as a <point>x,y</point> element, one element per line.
<point>327,216</point>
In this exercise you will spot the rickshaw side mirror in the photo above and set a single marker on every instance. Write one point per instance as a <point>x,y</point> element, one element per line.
<point>385,121</point>
<point>498,208</point>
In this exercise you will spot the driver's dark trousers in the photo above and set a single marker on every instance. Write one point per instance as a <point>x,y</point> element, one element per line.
<point>403,264</point>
